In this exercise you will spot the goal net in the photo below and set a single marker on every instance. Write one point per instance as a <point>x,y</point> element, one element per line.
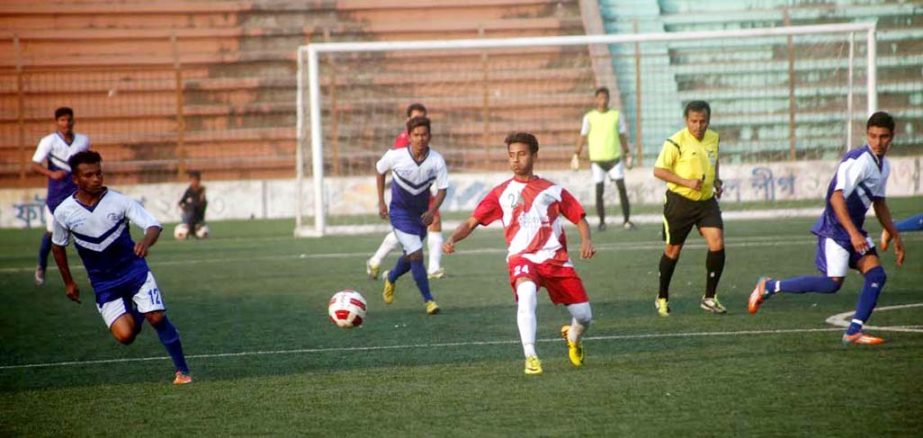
<point>786,93</point>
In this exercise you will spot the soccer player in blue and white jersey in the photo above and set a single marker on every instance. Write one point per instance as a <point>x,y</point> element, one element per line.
<point>56,148</point>
<point>842,243</point>
<point>125,289</point>
<point>414,170</point>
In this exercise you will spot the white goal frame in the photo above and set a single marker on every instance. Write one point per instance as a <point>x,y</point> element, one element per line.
<point>307,58</point>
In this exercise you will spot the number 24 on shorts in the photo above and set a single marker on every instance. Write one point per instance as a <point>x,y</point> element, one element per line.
<point>521,269</point>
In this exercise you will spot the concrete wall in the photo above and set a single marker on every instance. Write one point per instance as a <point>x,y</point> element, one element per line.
<point>22,208</point>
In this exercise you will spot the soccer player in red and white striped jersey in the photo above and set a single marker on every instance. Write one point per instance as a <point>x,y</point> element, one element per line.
<point>531,210</point>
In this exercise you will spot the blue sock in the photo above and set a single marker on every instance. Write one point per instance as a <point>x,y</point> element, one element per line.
<point>875,279</point>
<point>800,285</point>
<point>169,337</point>
<point>420,277</point>
<point>913,223</point>
<point>400,268</point>
<point>44,250</point>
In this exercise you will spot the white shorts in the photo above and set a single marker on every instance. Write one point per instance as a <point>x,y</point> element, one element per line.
<point>616,172</point>
<point>147,299</point>
<point>410,242</point>
<point>834,260</point>
<point>49,220</point>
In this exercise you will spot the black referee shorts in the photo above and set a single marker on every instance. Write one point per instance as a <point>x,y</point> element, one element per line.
<point>681,213</point>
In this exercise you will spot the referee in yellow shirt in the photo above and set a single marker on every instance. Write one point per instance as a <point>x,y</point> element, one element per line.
<point>688,162</point>
<point>607,135</point>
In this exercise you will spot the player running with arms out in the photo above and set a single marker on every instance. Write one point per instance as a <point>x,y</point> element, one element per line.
<point>530,209</point>
<point>842,243</point>
<point>434,231</point>
<point>125,289</point>
<point>414,170</point>
<point>56,148</point>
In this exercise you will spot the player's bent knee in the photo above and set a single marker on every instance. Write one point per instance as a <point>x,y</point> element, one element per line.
<point>876,275</point>
<point>415,256</point>
<point>582,313</point>
<point>155,317</point>
<point>833,285</point>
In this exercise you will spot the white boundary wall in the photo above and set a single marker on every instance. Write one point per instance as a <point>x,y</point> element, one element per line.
<point>22,208</point>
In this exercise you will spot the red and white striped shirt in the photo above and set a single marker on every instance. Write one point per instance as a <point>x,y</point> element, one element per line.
<point>531,216</point>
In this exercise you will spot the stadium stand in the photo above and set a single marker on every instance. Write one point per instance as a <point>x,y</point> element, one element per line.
<point>231,109</point>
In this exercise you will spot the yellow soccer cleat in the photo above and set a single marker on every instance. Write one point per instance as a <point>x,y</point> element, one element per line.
<point>372,270</point>
<point>663,308</point>
<point>182,378</point>
<point>533,365</point>
<point>574,349</point>
<point>431,307</point>
<point>388,292</point>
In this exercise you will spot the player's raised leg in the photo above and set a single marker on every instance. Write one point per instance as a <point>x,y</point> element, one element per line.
<point>434,242</point>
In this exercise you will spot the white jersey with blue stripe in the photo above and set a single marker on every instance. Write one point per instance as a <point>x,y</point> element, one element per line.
<point>103,241</point>
<point>57,151</point>
<point>410,186</point>
<point>862,177</point>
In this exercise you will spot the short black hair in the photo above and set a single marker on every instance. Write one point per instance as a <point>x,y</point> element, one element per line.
<point>194,174</point>
<point>601,90</point>
<point>416,106</point>
<point>522,137</point>
<point>697,106</point>
<point>84,157</point>
<point>418,121</point>
<point>881,119</point>
<point>63,111</point>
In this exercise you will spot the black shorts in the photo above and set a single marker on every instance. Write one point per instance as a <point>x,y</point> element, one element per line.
<point>681,213</point>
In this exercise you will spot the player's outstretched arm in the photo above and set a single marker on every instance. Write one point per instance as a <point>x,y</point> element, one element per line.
<point>883,213</point>
<point>464,229</point>
<point>587,250</point>
<point>60,258</point>
<point>151,234</point>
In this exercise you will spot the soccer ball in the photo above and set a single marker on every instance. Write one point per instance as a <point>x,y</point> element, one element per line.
<point>181,232</point>
<point>201,231</point>
<point>347,309</point>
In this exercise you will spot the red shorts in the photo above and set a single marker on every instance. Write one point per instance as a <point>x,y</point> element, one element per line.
<point>561,282</point>
<point>437,216</point>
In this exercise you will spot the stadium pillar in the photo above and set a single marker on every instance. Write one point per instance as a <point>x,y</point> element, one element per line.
<point>180,118</point>
<point>20,112</point>
<point>787,22</point>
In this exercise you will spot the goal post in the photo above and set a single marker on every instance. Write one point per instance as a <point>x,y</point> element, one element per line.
<point>782,91</point>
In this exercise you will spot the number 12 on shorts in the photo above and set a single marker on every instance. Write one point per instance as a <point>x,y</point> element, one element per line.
<point>155,295</point>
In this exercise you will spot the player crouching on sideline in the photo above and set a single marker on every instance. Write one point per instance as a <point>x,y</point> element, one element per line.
<point>530,209</point>
<point>842,243</point>
<point>126,292</point>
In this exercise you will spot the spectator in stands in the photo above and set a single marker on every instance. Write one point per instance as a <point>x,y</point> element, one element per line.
<point>607,135</point>
<point>193,205</point>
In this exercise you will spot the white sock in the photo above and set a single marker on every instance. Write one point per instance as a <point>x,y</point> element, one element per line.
<point>434,240</point>
<point>581,317</point>
<point>387,245</point>
<point>525,316</point>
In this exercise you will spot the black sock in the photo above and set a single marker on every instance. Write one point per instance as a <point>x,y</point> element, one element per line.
<point>623,199</point>
<point>667,265</point>
<point>600,208</point>
<point>714,265</point>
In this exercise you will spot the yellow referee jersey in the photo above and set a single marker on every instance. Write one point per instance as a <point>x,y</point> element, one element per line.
<point>690,158</point>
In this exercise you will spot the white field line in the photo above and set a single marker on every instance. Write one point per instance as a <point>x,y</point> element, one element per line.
<point>631,246</point>
<point>843,320</point>
<point>413,346</point>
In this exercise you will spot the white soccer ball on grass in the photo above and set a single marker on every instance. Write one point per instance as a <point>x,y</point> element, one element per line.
<point>347,308</point>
